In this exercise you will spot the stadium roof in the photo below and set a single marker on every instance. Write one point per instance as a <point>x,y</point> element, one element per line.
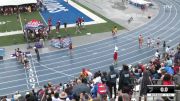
<point>16,2</point>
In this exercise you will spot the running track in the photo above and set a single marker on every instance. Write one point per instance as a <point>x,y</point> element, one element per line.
<point>59,66</point>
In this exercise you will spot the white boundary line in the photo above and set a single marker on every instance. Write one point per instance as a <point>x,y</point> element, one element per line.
<point>121,55</point>
<point>123,33</point>
<point>96,18</point>
<point>20,21</point>
<point>172,20</point>
<point>47,68</point>
<point>95,69</point>
<point>43,18</point>
<point>156,21</point>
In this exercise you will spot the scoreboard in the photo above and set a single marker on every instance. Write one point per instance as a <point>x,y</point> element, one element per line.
<point>161,90</point>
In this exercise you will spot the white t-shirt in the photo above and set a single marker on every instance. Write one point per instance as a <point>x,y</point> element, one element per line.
<point>55,99</point>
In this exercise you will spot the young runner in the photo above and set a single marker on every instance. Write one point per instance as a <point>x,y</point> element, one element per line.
<point>115,55</point>
<point>152,43</point>
<point>114,31</point>
<point>158,41</point>
<point>148,42</point>
<point>140,41</point>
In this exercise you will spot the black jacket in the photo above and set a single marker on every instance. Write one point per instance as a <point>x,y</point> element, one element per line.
<point>112,76</point>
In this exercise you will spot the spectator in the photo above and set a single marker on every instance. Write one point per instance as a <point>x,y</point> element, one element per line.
<point>17,95</point>
<point>63,96</point>
<point>157,55</point>
<point>124,81</point>
<point>177,57</point>
<point>56,97</point>
<point>167,80</point>
<point>29,96</point>
<point>167,49</point>
<point>177,80</point>
<point>83,74</point>
<point>49,97</point>
<point>97,78</point>
<point>146,80</point>
<point>104,77</point>
<point>112,76</point>
<point>169,62</point>
<point>4,98</point>
<point>85,97</point>
<point>100,90</point>
<point>79,88</point>
<point>136,74</point>
<point>169,70</point>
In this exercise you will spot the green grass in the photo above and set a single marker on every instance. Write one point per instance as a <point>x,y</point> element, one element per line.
<point>11,23</point>
<point>11,40</point>
<point>97,28</point>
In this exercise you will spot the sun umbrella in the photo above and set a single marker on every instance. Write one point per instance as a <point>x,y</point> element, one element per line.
<point>80,89</point>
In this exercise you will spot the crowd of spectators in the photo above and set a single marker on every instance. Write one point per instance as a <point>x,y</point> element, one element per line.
<point>9,10</point>
<point>108,86</point>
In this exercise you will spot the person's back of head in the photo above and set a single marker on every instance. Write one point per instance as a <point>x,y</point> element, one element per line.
<point>56,95</point>
<point>111,67</point>
<point>125,67</point>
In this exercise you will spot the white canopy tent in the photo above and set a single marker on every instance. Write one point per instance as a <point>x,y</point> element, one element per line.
<point>141,2</point>
<point>16,2</point>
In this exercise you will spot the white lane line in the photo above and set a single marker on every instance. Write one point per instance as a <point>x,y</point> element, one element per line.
<point>12,75</point>
<point>43,18</point>
<point>12,81</point>
<point>79,72</point>
<point>154,18</point>
<point>121,55</point>
<point>35,70</point>
<point>26,79</point>
<point>100,51</point>
<point>106,59</point>
<point>110,45</point>
<point>156,21</point>
<point>13,87</point>
<point>21,22</point>
<point>95,69</point>
<point>117,43</point>
<point>47,68</point>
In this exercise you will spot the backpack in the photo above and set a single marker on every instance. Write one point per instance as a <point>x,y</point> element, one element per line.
<point>101,88</point>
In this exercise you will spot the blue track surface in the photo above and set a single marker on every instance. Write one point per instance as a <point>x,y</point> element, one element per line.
<point>55,10</point>
<point>60,67</point>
